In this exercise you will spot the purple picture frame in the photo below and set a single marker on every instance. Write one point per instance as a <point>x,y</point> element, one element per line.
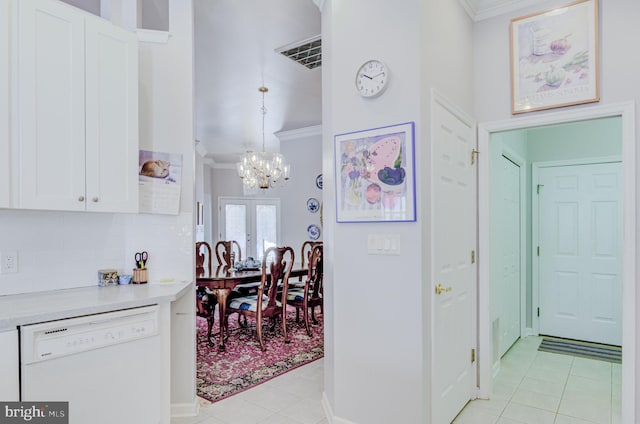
<point>375,174</point>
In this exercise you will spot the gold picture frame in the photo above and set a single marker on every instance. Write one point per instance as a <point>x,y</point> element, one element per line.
<point>554,58</point>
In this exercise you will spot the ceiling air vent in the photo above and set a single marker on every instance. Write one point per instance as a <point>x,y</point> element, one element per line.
<point>306,52</point>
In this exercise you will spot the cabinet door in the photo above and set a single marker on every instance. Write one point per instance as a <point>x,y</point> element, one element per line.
<point>5,99</point>
<point>51,107</point>
<point>9,390</point>
<point>111,117</point>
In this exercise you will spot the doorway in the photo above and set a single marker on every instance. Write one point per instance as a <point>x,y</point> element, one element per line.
<point>626,113</point>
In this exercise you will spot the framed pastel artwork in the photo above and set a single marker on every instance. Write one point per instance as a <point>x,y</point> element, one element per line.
<point>375,174</point>
<point>554,58</point>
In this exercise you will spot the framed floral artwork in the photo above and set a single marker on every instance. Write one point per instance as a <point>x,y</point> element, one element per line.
<point>375,175</point>
<point>554,58</point>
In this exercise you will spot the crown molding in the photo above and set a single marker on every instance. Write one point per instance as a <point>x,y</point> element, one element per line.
<point>299,133</point>
<point>505,8</point>
<point>223,166</point>
<point>319,3</point>
<point>200,149</point>
<point>480,10</point>
<point>469,7</point>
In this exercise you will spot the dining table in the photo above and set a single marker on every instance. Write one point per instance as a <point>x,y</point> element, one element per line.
<point>224,279</point>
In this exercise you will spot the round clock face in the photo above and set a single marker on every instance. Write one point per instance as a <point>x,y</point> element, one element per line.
<point>372,78</point>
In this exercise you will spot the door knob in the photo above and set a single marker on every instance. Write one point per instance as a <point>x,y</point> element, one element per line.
<point>81,199</point>
<point>95,199</point>
<point>440,289</point>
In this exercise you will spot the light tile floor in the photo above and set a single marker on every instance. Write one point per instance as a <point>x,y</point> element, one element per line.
<point>532,388</point>
<point>545,388</point>
<point>292,398</point>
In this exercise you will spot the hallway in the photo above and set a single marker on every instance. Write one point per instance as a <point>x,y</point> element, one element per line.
<point>545,388</point>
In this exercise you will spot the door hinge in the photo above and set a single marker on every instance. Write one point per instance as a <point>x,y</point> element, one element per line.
<point>473,356</point>
<point>538,250</point>
<point>538,188</point>
<point>538,311</point>
<point>473,256</point>
<point>474,152</point>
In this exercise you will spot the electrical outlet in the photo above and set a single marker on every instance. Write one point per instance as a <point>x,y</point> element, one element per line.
<point>9,261</point>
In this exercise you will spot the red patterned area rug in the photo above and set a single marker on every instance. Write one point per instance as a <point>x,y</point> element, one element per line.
<point>243,365</point>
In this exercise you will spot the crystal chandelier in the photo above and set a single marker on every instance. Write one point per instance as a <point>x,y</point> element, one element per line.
<point>258,170</point>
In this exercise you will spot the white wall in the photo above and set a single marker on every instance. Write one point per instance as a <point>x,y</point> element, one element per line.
<point>618,82</point>
<point>377,328</point>
<point>224,182</point>
<point>373,358</point>
<point>303,150</point>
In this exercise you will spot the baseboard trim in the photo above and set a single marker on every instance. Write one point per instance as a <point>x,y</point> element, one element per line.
<point>530,332</point>
<point>185,409</point>
<point>328,412</point>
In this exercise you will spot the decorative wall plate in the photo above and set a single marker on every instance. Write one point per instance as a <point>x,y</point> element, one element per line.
<point>313,231</point>
<point>319,181</point>
<point>313,205</point>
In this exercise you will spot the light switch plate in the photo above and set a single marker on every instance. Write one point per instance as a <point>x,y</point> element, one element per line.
<point>383,244</point>
<point>8,261</point>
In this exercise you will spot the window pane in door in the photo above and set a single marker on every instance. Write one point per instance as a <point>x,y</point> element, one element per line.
<point>236,225</point>
<point>266,228</point>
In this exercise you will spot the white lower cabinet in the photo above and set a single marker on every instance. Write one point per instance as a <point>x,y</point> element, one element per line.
<point>77,85</point>
<point>9,366</point>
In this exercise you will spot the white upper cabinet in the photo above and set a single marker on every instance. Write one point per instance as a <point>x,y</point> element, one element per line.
<point>78,111</point>
<point>5,105</point>
<point>111,81</point>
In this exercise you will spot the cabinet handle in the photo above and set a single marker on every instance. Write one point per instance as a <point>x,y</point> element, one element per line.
<point>81,199</point>
<point>95,200</point>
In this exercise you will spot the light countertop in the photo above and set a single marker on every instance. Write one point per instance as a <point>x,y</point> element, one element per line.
<point>27,308</point>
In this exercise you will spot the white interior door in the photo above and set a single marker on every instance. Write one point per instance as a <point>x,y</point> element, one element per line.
<point>580,237</point>
<point>454,239</point>
<point>507,288</point>
<point>253,222</point>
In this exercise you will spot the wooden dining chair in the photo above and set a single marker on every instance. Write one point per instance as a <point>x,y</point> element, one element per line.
<point>305,255</point>
<point>205,300</point>
<point>265,304</point>
<point>310,296</point>
<point>228,252</point>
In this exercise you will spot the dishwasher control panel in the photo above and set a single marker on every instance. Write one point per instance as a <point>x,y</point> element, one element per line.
<point>53,339</point>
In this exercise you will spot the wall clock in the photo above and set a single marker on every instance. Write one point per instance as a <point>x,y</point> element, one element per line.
<point>372,78</point>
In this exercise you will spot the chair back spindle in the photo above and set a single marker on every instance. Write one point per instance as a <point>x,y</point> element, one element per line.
<point>203,256</point>
<point>228,252</point>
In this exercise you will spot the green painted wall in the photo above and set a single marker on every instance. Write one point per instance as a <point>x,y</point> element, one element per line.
<point>588,139</point>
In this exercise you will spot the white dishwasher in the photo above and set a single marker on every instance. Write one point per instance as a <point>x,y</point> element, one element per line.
<point>107,366</point>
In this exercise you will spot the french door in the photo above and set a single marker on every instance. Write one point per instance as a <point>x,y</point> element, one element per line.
<point>253,222</point>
